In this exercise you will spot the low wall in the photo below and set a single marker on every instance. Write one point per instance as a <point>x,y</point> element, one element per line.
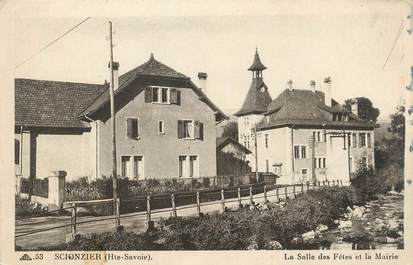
<point>34,198</point>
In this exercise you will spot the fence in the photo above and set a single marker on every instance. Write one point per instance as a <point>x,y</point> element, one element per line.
<point>202,202</point>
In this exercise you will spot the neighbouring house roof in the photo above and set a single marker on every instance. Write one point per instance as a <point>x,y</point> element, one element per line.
<point>257,99</point>
<point>307,108</point>
<point>151,69</point>
<point>42,103</point>
<point>257,65</point>
<point>224,141</point>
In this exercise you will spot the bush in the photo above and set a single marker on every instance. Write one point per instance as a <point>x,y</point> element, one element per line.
<point>369,185</point>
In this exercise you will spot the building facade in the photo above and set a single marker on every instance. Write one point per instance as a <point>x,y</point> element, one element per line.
<point>165,127</point>
<point>305,135</point>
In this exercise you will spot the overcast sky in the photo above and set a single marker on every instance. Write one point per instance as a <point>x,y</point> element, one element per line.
<point>350,46</point>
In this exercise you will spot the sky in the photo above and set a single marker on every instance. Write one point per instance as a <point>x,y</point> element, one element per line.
<point>349,44</point>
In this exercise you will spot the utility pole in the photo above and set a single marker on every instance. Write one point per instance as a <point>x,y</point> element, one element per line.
<point>112,114</point>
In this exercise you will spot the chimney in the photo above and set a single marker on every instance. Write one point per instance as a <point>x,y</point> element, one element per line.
<point>355,106</point>
<point>290,84</point>
<point>202,80</point>
<point>312,85</point>
<point>327,91</point>
<point>115,75</point>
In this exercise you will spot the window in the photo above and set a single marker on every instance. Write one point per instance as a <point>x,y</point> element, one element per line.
<point>296,151</point>
<point>193,163</point>
<point>138,167</point>
<point>368,140</point>
<point>161,128</point>
<point>304,172</point>
<point>300,151</point>
<point>125,166</point>
<point>362,137</point>
<point>267,166</point>
<point>155,94</point>
<point>320,162</point>
<point>324,162</point>
<point>182,163</point>
<point>324,136</point>
<point>165,95</point>
<point>188,166</point>
<point>354,140</point>
<point>128,170</point>
<point>190,129</point>
<point>246,122</point>
<point>349,140</point>
<point>318,136</point>
<point>132,128</point>
<point>303,151</point>
<point>266,140</point>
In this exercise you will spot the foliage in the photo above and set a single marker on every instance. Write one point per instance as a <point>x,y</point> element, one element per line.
<point>366,111</point>
<point>24,207</point>
<point>369,185</point>
<point>231,130</point>
<point>389,152</point>
<point>233,230</point>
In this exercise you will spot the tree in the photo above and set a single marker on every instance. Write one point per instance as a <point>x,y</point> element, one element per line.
<point>389,152</point>
<point>366,111</point>
<point>231,130</point>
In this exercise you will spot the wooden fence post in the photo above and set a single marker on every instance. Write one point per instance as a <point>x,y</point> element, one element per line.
<point>239,197</point>
<point>308,186</point>
<point>334,182</point>
<point>341,183</point>
<point>302,187</point>
<point>328,182</point>
<point>117,205</point>
<point>319,183</point>
<point>198,204</point>
<point>286,192</point>
<point>73,219</point>
<point>148,208</point>
<point>294,190</point>
<point>223,200</point>
<point>277,193</point>
<point>251,196</point>
<point>265,194</point>
<point>173,205</point>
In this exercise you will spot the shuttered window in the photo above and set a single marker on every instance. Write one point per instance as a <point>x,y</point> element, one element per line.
<point>132,127</point>
<point>175,96</point>
<point>189,129</point>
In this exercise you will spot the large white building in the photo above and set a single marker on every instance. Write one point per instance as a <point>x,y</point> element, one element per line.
<point>303,135</point>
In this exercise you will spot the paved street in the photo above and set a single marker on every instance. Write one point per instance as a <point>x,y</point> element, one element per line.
<point>135,222</point>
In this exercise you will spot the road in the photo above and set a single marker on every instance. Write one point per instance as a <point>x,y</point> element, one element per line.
<point>135,222</point>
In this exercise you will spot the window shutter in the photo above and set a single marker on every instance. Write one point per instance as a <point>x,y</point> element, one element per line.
<point>173,95</point>
<point>178,97</point>
<point>135,128</point>
<point>180,129</point>
<point>129,127</point>
<point>196,130</point>
<point>148,95</point>
<point>201,131</point>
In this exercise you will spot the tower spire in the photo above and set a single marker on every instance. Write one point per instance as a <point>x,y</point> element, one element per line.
<point>257,66</point>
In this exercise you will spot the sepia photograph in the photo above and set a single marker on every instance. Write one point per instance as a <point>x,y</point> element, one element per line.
<point>270,131</point>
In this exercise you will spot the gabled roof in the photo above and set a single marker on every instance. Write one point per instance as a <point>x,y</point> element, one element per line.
<point>223,141</point>
<point>42,103</point>
<point>148,71</point>
<point>154,68</point>
<point>304,107</point>
<point>257,99</point>
<point>257,65</point>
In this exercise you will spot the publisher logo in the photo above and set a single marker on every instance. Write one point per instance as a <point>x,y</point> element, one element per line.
<point>25,257</point>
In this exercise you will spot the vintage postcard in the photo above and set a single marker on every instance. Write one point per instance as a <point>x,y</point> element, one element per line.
<point>230,132</point>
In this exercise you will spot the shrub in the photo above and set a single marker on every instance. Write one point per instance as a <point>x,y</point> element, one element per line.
<point>369,185</point>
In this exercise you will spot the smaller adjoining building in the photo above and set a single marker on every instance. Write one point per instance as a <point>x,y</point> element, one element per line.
<point>231,157</point>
